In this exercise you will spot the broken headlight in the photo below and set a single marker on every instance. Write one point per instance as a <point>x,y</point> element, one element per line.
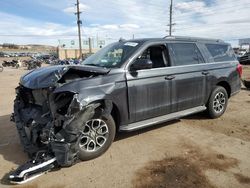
<point>62,102</point>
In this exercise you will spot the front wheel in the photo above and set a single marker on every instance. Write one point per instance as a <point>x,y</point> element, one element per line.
<point>217,103</point>
<point>97,136</point>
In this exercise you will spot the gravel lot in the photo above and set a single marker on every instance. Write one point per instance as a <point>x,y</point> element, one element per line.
<point>192,152</point>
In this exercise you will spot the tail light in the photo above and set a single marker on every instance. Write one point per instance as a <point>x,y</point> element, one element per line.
<point>239,69</point>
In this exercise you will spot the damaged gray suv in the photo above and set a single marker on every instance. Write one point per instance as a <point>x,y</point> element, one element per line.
<point>74,112</point>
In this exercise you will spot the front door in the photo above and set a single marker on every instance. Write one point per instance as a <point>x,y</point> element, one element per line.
<point>149,93</point>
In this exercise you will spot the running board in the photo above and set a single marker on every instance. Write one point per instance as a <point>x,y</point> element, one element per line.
<point>161,119</point>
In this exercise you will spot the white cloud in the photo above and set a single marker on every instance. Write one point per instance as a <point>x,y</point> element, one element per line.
<point>237,21</point>
<point>22,30</point>
<point>122,26</point>
<point>129,26</point>
<point>228,20</point>
<point>110,27</point>
<point>94,25</point>
<point>192,6</point>
<point>72,9</point>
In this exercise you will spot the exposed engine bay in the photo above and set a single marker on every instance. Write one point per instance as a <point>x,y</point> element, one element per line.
<point>50,123</point>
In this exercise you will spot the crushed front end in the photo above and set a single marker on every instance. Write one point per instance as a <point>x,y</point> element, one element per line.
<point>49,125</point>
<point>40,123</point>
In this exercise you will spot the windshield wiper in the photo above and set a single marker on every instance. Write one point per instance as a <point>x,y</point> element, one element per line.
<point>91,64</point>
<point>96,65</point>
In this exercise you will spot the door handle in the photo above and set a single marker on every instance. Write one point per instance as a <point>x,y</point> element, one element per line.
<point>169,77</point>
<point>205,72</point>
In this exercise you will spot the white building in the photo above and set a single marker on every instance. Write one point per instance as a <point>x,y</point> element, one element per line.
<point>69,48</point>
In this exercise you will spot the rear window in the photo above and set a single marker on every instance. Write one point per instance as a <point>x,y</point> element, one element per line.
<point>221,52</point>
<point>185,54</point>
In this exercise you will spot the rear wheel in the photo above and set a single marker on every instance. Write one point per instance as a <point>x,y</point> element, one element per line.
<point>217,103</point>
<point>97,135</point>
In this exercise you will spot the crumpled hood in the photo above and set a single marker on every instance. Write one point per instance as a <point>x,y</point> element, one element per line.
<point>49,76</point>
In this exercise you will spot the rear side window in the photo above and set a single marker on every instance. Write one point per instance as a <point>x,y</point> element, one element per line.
<point>185,54</point>
<point>221,52</point>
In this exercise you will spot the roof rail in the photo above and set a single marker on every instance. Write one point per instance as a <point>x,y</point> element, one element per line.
<point>192,38</point>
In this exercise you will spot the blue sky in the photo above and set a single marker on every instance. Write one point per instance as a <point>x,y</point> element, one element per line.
<point>34,10</point>
<point>46,21</point>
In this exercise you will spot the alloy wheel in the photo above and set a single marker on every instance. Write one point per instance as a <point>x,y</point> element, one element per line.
<point>94,135</point>
<point>219,102</point>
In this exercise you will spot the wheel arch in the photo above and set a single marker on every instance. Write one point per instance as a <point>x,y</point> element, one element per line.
<point>225,85</point>
<point>110,107</point>
<point>116,116</point>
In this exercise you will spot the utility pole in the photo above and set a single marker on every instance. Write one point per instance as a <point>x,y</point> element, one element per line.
<point>79,23</point>
<point>170,18</point>
<point>90,45</point>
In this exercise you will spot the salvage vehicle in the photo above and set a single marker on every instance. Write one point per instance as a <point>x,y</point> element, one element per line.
<point>33,64</point>
<point>13,63</point>
<point>245,59</point>
<point>72,112</point>
<point>246,83</point>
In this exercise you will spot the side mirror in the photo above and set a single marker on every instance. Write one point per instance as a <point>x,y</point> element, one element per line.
<point>140,64</point>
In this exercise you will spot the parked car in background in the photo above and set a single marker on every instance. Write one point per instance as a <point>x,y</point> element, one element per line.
<point>3,54</point>
<point>245,59</point>
<point>242,52</point>
<point>33,64</point>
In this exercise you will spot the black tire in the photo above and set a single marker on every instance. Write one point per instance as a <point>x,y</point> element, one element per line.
<point>217,103</point>
<point>86,155</point>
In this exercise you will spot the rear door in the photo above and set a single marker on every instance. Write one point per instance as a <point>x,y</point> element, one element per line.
<point>187,77</point>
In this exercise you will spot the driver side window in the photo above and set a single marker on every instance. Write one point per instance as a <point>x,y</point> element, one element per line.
<point>157,54</point>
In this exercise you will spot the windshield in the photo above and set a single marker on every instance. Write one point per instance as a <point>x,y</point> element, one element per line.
<point>113,55</point>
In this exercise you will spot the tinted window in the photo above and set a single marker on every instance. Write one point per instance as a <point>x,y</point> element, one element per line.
<point>221,52</point>
<point>185,54</point>
<point>157,54</point>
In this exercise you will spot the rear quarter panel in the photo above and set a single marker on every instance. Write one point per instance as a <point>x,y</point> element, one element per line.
<point>220,71</point>
<point>223,72</point>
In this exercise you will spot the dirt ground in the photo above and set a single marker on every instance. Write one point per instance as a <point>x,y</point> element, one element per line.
<point>192,152</point>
